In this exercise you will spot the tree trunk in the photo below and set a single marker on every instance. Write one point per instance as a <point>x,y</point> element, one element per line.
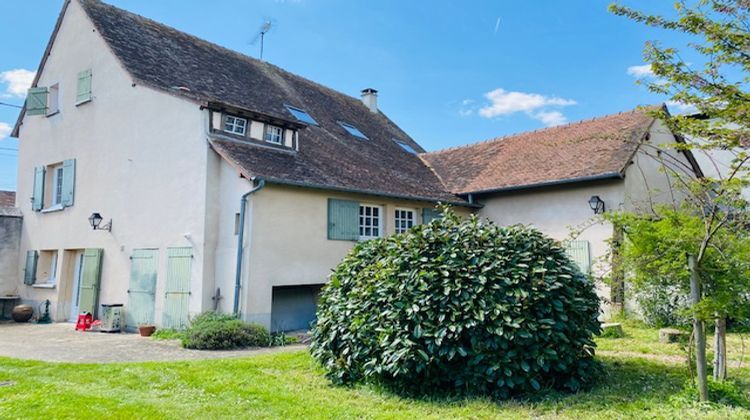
<point>720,350</point>
<point>698,332</point>
<point>617,289</point>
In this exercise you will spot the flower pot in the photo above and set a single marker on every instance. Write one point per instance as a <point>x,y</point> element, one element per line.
<point>146,330</point>
<point>22,313</point>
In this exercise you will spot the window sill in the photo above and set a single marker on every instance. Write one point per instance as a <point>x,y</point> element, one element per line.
<point>52,114</point>
<point>79,103</point>
<point>44,285</point>
<point>57,207</point>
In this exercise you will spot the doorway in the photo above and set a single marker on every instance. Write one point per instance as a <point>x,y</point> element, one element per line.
<point>75,294</point>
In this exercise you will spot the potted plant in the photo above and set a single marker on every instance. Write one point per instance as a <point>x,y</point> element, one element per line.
<point>146,330</point>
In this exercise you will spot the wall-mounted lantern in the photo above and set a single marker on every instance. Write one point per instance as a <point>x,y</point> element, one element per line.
<point>596,204</point>
<point>96,219</point>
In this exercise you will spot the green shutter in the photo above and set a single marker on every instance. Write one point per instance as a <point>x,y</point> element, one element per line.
<point>83,91</point>
<point>29,275</point>
<point>69,182</point>
<point>90,280</point>
<point>580,253</point>
<point>177,287</point>
<point>37,200</point>
<point>144,264</point>
<point>343,220</point>
<point>430,214</point>
<point>36,101</point>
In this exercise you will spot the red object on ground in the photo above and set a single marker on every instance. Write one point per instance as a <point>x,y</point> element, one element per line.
<point>84,321</point>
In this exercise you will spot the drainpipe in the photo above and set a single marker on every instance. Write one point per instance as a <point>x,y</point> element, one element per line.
<point>240,240</point>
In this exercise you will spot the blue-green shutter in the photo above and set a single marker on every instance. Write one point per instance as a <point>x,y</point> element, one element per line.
<point>579,251</point>
<point>144,264</point>
<point>36,101</point>
<point>69,182</point>
<point>343,220</point>
<point>29,275</point>
<point>430,214</point>
<point>90,280</point>
<point>37,199</point>
<point>177,287</point>
<point>83,90</point>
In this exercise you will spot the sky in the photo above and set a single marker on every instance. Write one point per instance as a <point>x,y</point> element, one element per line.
<point>448,72</point>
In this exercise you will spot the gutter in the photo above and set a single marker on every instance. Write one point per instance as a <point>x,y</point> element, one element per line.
<point>240,240</point>
<point>604,176</point>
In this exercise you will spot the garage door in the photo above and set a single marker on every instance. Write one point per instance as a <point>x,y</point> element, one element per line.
<point>293,307</point>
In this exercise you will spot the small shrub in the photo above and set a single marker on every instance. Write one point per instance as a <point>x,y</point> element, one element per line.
<point>726,393</point>
<point>213,331</point>
<point>662,306</point>
<point>168,334</point>
<point>459,306</point>
<point>612,333</point>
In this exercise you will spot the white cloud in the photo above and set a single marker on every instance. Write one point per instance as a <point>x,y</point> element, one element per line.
<point>5,130</point>
<point>18,81</point>
<point>467,108</point>
<point>680,108</point>
<point>534,105</point>
<point>550,118</point>
<point>641,71</point>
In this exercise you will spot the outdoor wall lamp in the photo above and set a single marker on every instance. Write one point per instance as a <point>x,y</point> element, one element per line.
<point>596,204</point>
<point>96,219</point>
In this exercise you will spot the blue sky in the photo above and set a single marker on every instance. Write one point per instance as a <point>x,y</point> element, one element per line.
<point>448,72</point>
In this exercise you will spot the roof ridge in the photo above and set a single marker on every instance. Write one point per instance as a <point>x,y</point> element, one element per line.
<point>211,44</point>
<point>639,108</point>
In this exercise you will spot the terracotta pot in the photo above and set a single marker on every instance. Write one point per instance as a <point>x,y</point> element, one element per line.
<point>22,313</point>
<point>146,330</point>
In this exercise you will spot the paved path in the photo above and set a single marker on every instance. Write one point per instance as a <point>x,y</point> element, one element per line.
<point>61,343</point>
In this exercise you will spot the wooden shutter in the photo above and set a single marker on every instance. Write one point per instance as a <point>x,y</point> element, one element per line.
<point>580,253</point>
<point>29,275</point>
<point>144,264</point>
<point>69,182</point>
<point>36,101</point>
<point>343,220</point>
<point>90,280</point>
<point>37,200</point>
<point>83,90</point>
<point>177,293</point>
<point>430,214</point>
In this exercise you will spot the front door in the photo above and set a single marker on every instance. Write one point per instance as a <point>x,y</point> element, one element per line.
<point>177,293</point>
<point>142,290</point>
<point>75,294</point>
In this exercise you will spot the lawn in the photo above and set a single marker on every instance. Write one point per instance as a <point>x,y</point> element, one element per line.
<point>643,377</point>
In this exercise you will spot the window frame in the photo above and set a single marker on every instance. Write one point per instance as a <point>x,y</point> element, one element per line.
<point>363,219</point>
<point>406,147</point>
<point>293,109</point>
<point>397,219</point>
<point>353,130</point>
<point>53,99</point>
<point>266,132</point>
<point>234,125</point>
<point>58,180</point>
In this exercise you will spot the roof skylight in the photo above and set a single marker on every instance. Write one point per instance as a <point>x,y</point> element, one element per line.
<point>301,115</point>
<point>354,131</point>
<point>405,147</point>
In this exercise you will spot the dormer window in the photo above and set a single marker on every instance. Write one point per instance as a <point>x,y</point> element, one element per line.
<point>354,131</point>
<point>274,134</point>
<point>301,115</point>
<point>235,125</point>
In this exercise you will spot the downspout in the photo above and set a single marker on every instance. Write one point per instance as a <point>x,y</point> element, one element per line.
<point>240,240</point>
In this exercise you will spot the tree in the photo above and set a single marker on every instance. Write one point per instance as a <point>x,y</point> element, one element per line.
<point>716,85</point>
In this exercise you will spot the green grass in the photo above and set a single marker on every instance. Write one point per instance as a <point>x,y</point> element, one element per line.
<point>639,383</point>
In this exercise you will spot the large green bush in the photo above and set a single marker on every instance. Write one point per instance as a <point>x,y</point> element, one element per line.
<point>459,306</point>
<point>213,331</point>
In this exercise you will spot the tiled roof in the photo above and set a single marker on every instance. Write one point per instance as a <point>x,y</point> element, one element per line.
<point>164,58</point>
<point>584,150</point>
<point>7,198</point>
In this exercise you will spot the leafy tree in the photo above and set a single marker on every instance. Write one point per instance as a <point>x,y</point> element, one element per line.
<point>716,85</point>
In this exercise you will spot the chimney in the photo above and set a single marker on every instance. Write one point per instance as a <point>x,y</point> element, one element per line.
<point>370,99</point>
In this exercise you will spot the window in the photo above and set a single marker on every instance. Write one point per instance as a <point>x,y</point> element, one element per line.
<point>370,225</point>
<point>46,274</point>
<point>83,87</point>
<point>404,220</point>
<point>301,115</point>
<point>57,185</point>
<point>405,147</point>
<point>236,223</point>
<point>53,106</point>
<point>235,125</point>
<point>274,134</point>
<point>354,131</point>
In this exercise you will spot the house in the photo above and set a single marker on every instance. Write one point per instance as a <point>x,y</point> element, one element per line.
<point>174,176</point>
<point>553,179</point>
<point>182,155</point>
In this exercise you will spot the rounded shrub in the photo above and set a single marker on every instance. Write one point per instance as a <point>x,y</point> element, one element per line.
<point>459,306</point>
<point>213,331</point>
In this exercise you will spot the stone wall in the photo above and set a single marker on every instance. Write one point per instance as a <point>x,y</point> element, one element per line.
<point>10,241</point>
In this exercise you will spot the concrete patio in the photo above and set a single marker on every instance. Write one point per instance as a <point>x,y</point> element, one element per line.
<point>61,343</point>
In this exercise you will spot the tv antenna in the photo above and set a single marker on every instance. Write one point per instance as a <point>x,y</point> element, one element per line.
<point>266,27</point>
